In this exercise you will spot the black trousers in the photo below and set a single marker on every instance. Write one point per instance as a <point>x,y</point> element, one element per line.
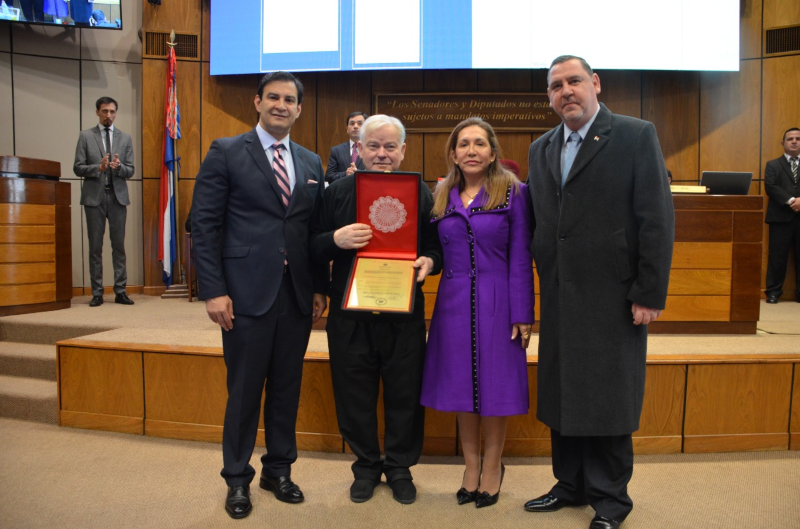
<point>782,236</point>
<point>594,470</point>
<point>363,354</point>
<point>264,355</point>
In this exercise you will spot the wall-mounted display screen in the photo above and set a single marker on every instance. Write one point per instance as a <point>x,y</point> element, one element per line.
<point>100,14</point>
<point>251,36</point>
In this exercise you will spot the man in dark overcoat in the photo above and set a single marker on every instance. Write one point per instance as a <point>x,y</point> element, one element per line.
<point>602,242</point>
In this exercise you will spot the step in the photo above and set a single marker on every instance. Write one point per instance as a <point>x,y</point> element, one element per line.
<point>29,399</point>
<point>28,360</point>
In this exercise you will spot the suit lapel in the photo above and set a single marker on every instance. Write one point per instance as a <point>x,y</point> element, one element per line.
<point>99,139</point>
<point>787,168</point>
<point>596,139</point>
<point>253,146</point>
<point>299,177</point>
<point>553,153</point>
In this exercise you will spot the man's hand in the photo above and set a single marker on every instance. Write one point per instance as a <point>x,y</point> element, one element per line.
<point>220,310</point>
<point>424,265</point>
<point>644,315</point>
<point>352,236</point>
<point>114,164</point>
<point>320,304</point>
<point>104,163</point>
<point>352,169</point>
<point>795,205</point>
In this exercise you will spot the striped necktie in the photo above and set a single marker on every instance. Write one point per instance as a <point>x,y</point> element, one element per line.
<point>793,161</point>
<point>281,174</point>
<point>354,155</point>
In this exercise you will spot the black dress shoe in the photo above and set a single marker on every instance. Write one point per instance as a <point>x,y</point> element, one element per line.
<point>403,491</point>
<point>466,496</point>
<point>96,301</point>
<point>361,490</point>
<point>123,299</point>
<point>549,503</point>
<point>485,499</point>
<point>237,504</point>
<point>283,488</point>
<point>599,522</point>
<point>772,298</point>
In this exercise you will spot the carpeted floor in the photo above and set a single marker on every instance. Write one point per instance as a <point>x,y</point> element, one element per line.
<point>62,477</point>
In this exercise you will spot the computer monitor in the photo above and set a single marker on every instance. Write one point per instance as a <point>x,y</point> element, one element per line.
<point>726,182</point>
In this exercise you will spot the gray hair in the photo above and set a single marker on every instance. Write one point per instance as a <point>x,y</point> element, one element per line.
<point>381,120</point>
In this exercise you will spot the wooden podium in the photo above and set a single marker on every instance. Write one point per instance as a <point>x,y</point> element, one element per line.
<point>35,237</point>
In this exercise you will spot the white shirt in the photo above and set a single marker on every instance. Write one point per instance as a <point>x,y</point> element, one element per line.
<point>267,140</point>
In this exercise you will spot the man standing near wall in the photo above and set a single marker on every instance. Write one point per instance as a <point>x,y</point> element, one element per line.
<point>603,233</point>
<point>254,199</point>
<point>104,159</point>
<point>345,159</point>
<point>783,215</point>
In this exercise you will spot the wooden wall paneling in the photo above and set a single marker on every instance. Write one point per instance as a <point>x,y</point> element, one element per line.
<point>304,130</point>
<point>28,253</point>
<point>227,106</point>
<point>504,80</point>
<point>27,294</point>
<point>392,81</point>
<point>730,114</point>
<point>526,435</point>
<point>748,226</point>
<point>737,407</point>
<point>435,160</point>
<point>450,80</point>
<point>185,189</point>
<point>340,93</point>
<point>28,191</point>
<point>414,159</point>
<point>63,252</point>
<point>113,401</point>
<point>683,281</point>
<point>185,396</point>
<point>27,273</point>
<point>661,425</point>
<point>746,282</point>
<point>27,234</point>
<point>33,214</point>
<point>697,308</point>
<point>515,147</point>
<point>671,101</point>
<point>621,91</point>
<point>440,433</point>
<point>750,29</point>
<point>205,37</point>
<point>153,284</point>
<point>704,226</point>
<point>779,13</point>
<point>153,86</point>
<point>794,426</point>
<point>317,426</point>
<point>702,255</point>
<point>183,17</point>
<point>188,147</point>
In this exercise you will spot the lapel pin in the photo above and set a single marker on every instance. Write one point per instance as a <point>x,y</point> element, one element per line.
<point>597,138</point>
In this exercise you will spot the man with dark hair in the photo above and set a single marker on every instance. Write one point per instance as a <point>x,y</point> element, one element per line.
<point>345,158</point>
<point>104,159</point>
<point>254,199</point>
<point>602,242</point>
<point>783,189</point>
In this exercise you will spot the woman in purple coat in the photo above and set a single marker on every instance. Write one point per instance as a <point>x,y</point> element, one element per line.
<point>476,361</point>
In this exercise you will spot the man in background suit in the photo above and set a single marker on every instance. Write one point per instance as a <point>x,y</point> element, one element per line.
<point>783,215</point>
<point>104,159</point>
<point>345,158</point>
<point>254,199</point>
<point>603,233</point>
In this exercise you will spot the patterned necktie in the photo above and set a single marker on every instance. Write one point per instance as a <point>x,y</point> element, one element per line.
<point>106,177</point>
<point>281,174</point>
<point>573,143</point>
<point>354,156</point>
<point>793,160</point>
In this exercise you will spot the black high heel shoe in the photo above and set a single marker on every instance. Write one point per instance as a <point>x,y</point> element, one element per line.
<point>484,499</point>
<point>465,496</point>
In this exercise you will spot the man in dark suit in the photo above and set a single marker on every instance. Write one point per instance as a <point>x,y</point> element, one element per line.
<point>367,348</point>
<point>603,233</point>
<point>345,159</point>
<point>783,215</point>
<point>104,159</point>
<point>254,199</point>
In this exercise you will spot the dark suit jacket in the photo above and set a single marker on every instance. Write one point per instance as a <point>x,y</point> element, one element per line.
<point>89,153</point>
<point>600,244</point>
<point>340,161</point>
<point>780,188</point>
<point>241,231</point>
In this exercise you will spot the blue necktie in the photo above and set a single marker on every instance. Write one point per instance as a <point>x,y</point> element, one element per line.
<point>573,144</point>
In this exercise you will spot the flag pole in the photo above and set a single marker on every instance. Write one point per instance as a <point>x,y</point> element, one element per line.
<point>172,43</point>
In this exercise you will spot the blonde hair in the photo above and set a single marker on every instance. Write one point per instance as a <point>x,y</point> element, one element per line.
<point>498,178</point>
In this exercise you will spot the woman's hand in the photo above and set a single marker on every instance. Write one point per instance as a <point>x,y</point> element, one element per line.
<point>524,330</point>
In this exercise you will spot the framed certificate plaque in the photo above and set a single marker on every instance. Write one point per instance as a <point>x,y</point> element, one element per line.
<point>383,277</point>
